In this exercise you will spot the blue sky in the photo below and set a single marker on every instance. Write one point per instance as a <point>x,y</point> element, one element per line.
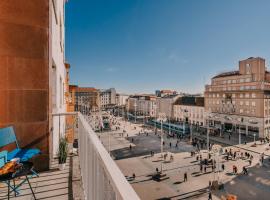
<point>144,45</point>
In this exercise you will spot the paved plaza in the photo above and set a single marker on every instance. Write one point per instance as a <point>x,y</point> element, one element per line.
<point>138,161</point>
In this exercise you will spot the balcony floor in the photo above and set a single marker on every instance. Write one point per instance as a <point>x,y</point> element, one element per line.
<point>53,185</point>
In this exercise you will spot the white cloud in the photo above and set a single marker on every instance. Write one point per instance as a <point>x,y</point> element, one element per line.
<point>111,69</point>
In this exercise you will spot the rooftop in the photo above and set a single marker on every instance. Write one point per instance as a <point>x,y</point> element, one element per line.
<point>225,74</point>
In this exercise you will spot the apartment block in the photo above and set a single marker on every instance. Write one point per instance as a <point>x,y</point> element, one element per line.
<point>189,109</point>
<point>87,99</point>
<point>165,105</point>
<point>241,98</point>
<point>142,105</point>
<point>107,98</point>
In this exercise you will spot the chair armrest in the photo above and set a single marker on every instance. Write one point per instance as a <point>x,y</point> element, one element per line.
<point>3,158</point>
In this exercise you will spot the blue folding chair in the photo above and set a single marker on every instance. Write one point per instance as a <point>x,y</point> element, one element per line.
<point>3,158</point>
<point>8,136</point>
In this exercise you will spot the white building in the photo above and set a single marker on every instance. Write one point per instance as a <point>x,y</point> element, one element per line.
<point>57,74</point>
<point>121,99</point>
<point>107,97</point>
<point>190,109</point>
<point>142,105</point>
<point>165,105</point>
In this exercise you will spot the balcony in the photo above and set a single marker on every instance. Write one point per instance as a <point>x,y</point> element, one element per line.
<point>90,172</point>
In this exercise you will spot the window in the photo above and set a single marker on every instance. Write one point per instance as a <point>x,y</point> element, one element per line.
<point>241,95</point>
<point>234,81</point>
<point>233,95</point>
<point>253,95</point>
<point>247,87</point>
<point>247,103</point>
<point>242,88</point>
<point>241,103</point>
<point>253,103</point>
<point>248,79</point>
<point>229,81</point>
<point>248,68</point>
<point>233,102</point>
<point>223,95</point>
<point>247,95</point>
<point>241,80</point>
<point>217,95</point>
<point>241,111</point>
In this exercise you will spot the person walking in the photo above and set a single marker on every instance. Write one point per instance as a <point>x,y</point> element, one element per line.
<point>210,195</point>
<point>245,170</point>
<point>185,176</point>
<point>201,168</point>
<point>223,167</point>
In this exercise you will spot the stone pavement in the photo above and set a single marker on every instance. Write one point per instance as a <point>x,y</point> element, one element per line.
<point>196,187</point>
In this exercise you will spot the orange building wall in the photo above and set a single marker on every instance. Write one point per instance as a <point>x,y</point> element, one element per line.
<point>24,79</point>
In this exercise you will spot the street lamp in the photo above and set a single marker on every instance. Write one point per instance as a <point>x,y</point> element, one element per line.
<point>155,106</point>
<point>254,137</point>
<point>208,128</point>
<point>135,105</point>
<point>161,144</point>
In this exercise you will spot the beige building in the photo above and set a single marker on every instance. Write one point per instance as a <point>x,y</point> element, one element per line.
<point>189,109</point>
<point>87,99</point>
<point>142,105</point>
<point>165,105</point>
<point>241,98</point>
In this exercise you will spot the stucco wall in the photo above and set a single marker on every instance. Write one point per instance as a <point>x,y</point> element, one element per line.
<point>24,80</point>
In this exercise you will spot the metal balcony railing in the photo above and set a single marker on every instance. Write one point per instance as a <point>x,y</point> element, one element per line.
<point>101,177</point>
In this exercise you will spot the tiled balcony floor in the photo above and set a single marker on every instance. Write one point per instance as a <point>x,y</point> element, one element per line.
<point>53,184</point>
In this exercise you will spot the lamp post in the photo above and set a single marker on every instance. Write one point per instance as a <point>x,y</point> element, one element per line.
<point>135,105</point>
<point>239,134</point>
<point>155,106</point>
<point>161,144</point>
<point>207,137</point>
<point>254,137</point>
<point>169,120</point>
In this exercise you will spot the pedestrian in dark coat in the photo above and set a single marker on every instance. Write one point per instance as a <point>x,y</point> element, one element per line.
<point>185,176</point>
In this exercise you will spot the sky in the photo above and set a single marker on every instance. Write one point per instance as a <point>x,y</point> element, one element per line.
<point>139,46</point>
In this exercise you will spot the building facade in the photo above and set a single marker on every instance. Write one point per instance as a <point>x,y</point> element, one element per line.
<point>162,93</point>
<point>241,98</point>
<point>165,105</point>
<point>32,78</point>
<point>121,99</point>
<point>107,98</point>
<point>189,109</point>
<point>142,105</point>
<point>87,99</point>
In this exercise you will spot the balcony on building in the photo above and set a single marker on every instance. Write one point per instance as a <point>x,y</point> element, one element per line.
<point>90,172</point>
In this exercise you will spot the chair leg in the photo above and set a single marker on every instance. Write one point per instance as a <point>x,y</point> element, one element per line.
<point>34,172</point>
<point>15,192</point>
<point>8,188</point>
<point>30,187</point>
